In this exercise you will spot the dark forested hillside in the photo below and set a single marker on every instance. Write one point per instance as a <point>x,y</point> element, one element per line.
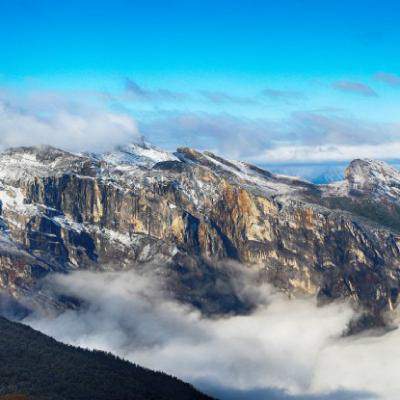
<point>41,368</point>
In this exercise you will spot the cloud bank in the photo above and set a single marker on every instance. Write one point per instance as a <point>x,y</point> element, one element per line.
<point>84,122</point>
<point>64,123</point>
<point>287,349</point>
<point>308,136</point>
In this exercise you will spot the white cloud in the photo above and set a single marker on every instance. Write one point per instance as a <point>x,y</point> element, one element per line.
<point>301,137</point>
<point>289,347</point>
<point>329,152</point>
<point>84,121</point>
<point>71,125</point>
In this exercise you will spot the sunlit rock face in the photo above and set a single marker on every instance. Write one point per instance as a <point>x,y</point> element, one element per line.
<point>185,214</point>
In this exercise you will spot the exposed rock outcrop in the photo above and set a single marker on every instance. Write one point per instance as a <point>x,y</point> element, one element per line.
<point>182,213</point>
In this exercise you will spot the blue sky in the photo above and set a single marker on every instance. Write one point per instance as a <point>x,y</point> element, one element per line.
<point>296,74</point>
<point>259,39</point>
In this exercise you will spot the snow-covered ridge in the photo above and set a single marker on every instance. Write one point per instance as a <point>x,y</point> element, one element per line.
<point>245,174</point>
<point>26,163</point>
<point>135,162</point>
<point>260,178</point>
<point>144,155</point>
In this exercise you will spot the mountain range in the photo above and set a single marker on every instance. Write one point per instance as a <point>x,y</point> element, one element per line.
<point>187,216</point>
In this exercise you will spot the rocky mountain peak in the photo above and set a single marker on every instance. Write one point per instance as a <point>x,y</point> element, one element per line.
<point>141,154</point>
<point>44,152</point>
<point>373,176</point>
<point>26,163</point>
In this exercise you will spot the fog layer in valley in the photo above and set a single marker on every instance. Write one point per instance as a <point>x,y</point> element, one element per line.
<point>285,349</point>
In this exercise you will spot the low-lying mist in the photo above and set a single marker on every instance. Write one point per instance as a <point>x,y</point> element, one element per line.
<point>286,349</point>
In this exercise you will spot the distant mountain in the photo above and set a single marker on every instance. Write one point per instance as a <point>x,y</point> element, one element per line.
<point>40,368</point>
<point>318,173</point>
<point>182,214</point>
<point>312,172</point>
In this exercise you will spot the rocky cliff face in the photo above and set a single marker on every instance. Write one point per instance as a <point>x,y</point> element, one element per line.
<point>184,214</point>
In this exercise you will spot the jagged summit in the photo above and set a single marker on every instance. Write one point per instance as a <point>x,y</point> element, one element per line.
<point>143,154</point>
<point>371,178</point>
<point>39,153</point>
<point>24,163</point>
<point>41,150</point>
<point>373,175</point>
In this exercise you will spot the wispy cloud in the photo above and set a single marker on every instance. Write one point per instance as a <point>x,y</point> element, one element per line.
<point>320,137</point>
<point>223,133</point>
<point>388,78</point>
<point>285,95</point>
<point>319,128</point>
<point>218,97</point>
<point>300,137</point>
<point>138,92</point>
<point>359,88</point>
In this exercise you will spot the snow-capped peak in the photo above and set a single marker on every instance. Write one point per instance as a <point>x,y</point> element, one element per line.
<point>371,174</point>
<point>29,162</point>
<point>142,154</point>
<point>368,177</point>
